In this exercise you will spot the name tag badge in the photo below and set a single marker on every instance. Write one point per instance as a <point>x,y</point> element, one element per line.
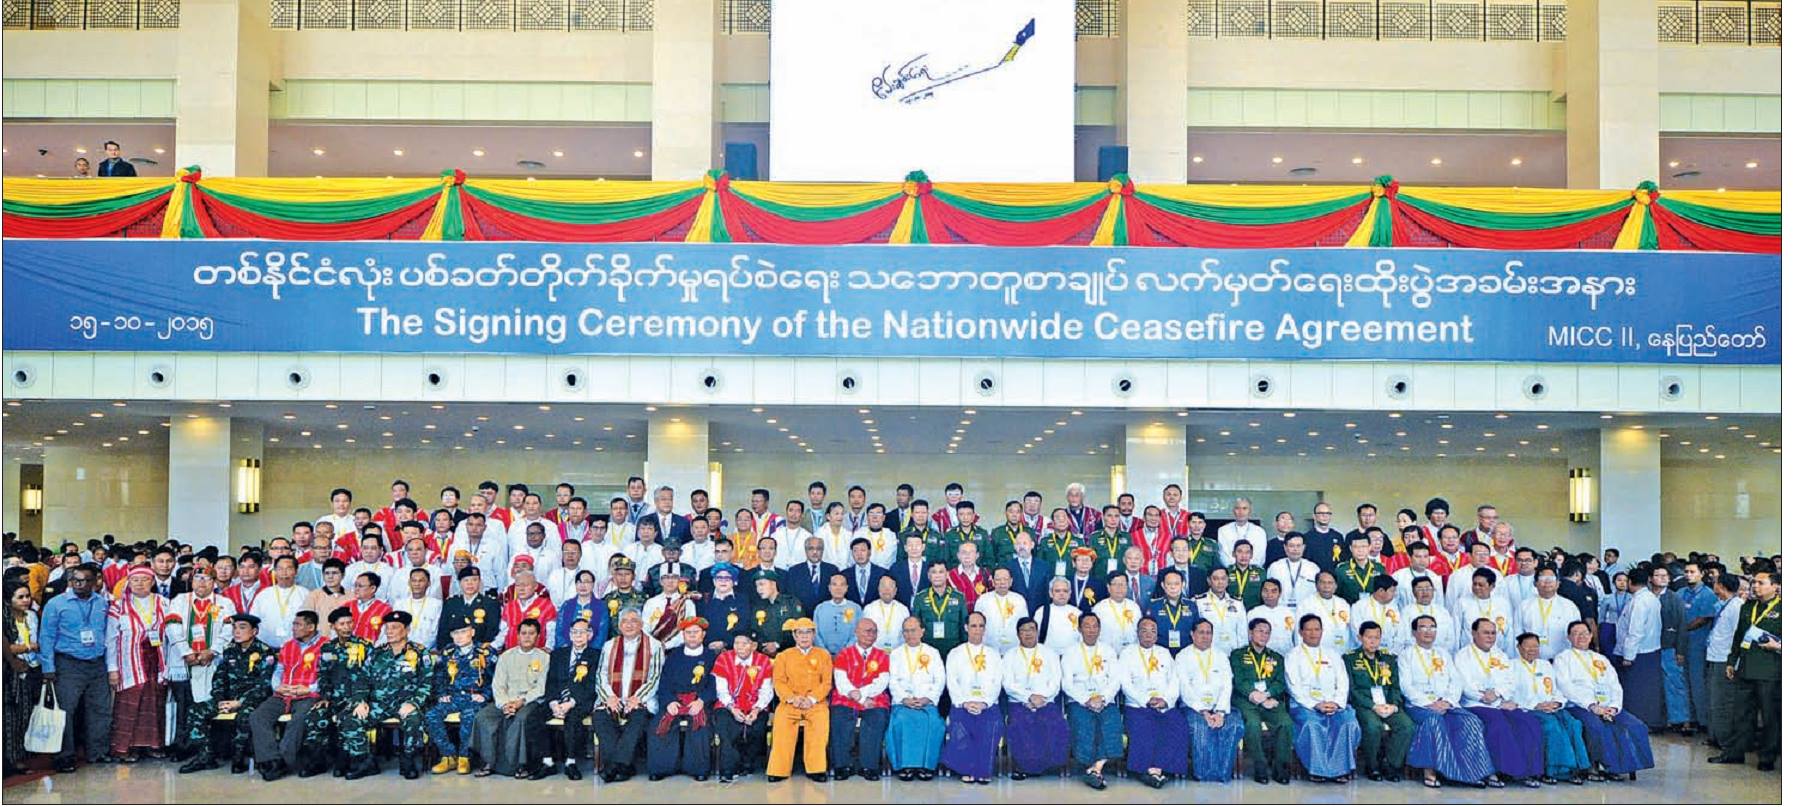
<point>87,637</point>
<point>1111,565</point>
<point>1261,686</point>
<point>155,641</point>
<point>1317,694</point>
<point>1174,639</point>
<point>975,692</point>
<point>1378,695</point>
<point>1061,568</point>
<point>1210,704</point>
<point>937,630</point>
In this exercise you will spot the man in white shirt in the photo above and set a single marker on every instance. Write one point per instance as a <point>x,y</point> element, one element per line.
<point>485,544</point>
<point>1282,624</point>
<point>915,730</point>
<point>372,561</point>
<point>1241,530</point>
<point>1229,620</point>
<point>1206,686</point>
<point>1058,621</point>
<point>1520,584</point>
<point>1730,591</point>
<point>1336,628</point>
<point>1036,729</point>
<point>560,579</point>
<point>1118,614</point>
<point>1489,691</point>
<point>888,614</point>
<point>1547,614</point>
<point>883,545</point>
<point>1424,603</point>
<point>414,556</point>
<point>619,530</point>
<point>1456,588</point>
<point>1639,651</point>
<point>1325,730</point>
<point>1294,572</point>
<point>341,520</point>
<point>1003,608</point>
<point>517,534</point>
<point>1152,692</point>
<point>790,537</point>
<point>1090,680</point>
<point>420,600</point>
<point>1483,603</point>
<point>836,536</point>
<point>1381,606</point>
<point>1419,554</point>
<point>276,605</point>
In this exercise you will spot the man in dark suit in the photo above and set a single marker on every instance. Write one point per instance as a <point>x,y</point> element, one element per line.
<point>902,499</point>
<point>911,571</point>
<point>569,694</point>
<point>671,529</point>
<point>1030,574</point>
<point>808,581</point>
<point>115,165</point>
<point>1086,589</point>
<point>1325,546</point>
<point>864,577</point>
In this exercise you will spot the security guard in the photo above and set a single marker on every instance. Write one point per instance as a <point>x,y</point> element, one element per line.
<point>624,595</point>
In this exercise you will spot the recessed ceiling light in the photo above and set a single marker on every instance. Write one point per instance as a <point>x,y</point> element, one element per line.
<point>1393,414</point>
<point>1355,161</point>
<point>638,153</point>
<point>399,152</point>
<point>318,152</point>
<point>160,150</point>
<point>1752,164</point>
<point>1198,159</point>
<point>1278,160</point>
<point>1436,161</point>
<point>1673,163</point>
<point>556,153</point>
<point>1517,161</point>
<point>479,152</point>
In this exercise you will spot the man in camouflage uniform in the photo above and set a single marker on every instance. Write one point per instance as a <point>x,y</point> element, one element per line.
<point>463,683</point>
<point>769,610</point>
<point>341,663</point>
<point>395,682</point>
<point>242,681</point>
<point>625,594</point>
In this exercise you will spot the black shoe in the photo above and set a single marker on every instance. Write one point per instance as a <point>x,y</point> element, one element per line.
<point>1316,779</point>
<point>925,775</point>
<point>364,769</point>
<point>1371,774</point>
<point>1530,783</point>
<point>1725,759</point>
<point>1765,765</point>
<point>274,771</point>
<point>240,765</point>
<point>903,774</point>
<point>1261,778</point>
<point>839,774</point>
<point>773,778</point>
<point>657,777</point>
<point>540,771</point>
<point>817,777</point>
<point>871,774</point>
<point>65,765</point>
<point>198,763</point>
<point>1281,778</point>
<point>1495,782</point>
<point>572,771</point>
<point>409,766</point>
<point>1019,776</point>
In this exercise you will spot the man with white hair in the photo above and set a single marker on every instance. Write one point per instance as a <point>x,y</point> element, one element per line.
<point>1241,530</point>
<point>1085,519</point>
<point>671,529</point>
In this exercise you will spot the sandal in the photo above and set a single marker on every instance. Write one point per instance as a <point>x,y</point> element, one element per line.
<point>968,780</point>
<point>1432,781</point>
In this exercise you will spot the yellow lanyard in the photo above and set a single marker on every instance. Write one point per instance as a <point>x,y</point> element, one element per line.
<point>1175,616</point>
<point>1316,662</point>
<point>1205,665</point>
<point>1111,546</point>
<point>930,601</point>
<point>1261,663</point>
<point>1756,616</point>
<point>1242,580</point>
<point>1548,681</point>
<point>281,600</point>
<point>1544,606</point>
<point>1032,664</point>
<point>1149,660</point>
<point>24,631</point>
<point>1362,581</point>
<point>1061,548</point>
<point>1092,661</point>
<point>1425,661</point>
<point>145,616</point>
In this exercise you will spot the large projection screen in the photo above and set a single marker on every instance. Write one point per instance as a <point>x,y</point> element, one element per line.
<point>867,90</point>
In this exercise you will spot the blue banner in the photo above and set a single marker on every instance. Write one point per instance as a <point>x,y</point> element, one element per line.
<point>733,299</point>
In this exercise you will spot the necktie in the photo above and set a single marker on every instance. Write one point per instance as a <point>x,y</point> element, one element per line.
<point>915,576</point>
<point>814,574</point>
<point>1026,568</point>
<point>862,580</point>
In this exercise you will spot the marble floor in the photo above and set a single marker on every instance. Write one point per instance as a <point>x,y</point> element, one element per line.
<point>1681,776</point>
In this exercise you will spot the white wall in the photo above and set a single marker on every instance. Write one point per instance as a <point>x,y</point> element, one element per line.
<point>1729,506</point>
<point>91,493</point>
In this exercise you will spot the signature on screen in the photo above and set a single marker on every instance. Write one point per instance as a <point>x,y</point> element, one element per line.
<point>915,81</point>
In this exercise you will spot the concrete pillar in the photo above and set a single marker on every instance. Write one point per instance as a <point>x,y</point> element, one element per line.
<point>1152,88</point>
<point>1155,454</point>
<point>680,453</point>
<point>1629,510</point>
<point>1614,103</point>
<point>200,477</point>
<point>685,132</point>
<point>222,72</point>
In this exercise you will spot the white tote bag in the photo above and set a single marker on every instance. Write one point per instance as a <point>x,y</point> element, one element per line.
<point>44,734</point>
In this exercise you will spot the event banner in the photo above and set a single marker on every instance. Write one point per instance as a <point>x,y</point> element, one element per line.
<point>932,301</point>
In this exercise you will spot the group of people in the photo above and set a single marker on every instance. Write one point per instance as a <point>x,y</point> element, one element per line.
<point>523,639</point>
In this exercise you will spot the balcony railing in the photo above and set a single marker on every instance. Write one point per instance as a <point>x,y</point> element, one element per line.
<point>464,15</point>
<point>127,15</point>
<point>1718,22</point>
<point>1453,20</point>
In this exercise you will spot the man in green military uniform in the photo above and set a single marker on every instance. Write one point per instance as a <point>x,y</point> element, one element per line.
<point>470,603</point>
<point>965,532</point>
<point>1259,694</point>
<point>1204,550</point>
<point>943,610</point>
<point>1245,576</point>
<point>1374,692</point>
<point>1109,542</point>
<point>239,684</point>
<point>770,610</point>
<point>1002,541</point>
<point>936,547</point>
<point>1058,545</point>
<point>1754,669</point>
<point>1356,575</point>
<point>396,683</point>
<point>625,594</point>
<point>341,662</point>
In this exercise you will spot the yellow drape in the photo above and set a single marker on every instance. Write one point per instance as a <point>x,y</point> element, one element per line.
<point>75,191</point>
<point>902,227</point>
<point>1738,201</point>
<point>1107,232</point>
<point>294,189</point>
